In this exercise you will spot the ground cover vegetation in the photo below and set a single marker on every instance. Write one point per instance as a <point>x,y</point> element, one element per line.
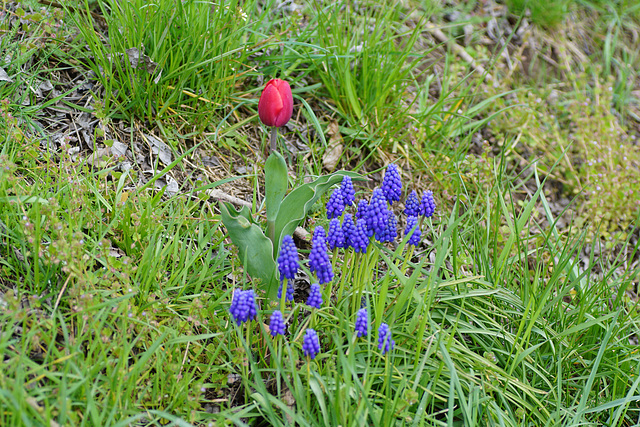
<point>463,249</point>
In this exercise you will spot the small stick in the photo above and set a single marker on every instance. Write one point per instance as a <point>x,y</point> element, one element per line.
<point>300,232</point>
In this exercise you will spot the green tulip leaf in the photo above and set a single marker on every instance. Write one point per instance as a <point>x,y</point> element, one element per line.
<point>256,251</point>
<point>298,203</point>
<point>275,176</point>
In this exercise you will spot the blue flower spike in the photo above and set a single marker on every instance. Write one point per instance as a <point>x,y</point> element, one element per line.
<point>412,224</point>
<point>315,296</point>
<point>318,258</point>
<point>336,238</point>
<point>290,291</point>
<point>288,260</point>
<point>243,306</point>
<point>385,343</point>
<point>363,208</point>
<point>311,344</point>
<point>335,205</point>
<point>378,213</point>
<point>359,240</point>
<point>347,190</point>
<point>391,230</point>
<point>427,204</point>
<point>412,204</point>
<point>362,323</point>
<point>392,184</point>
<point>348,229</point>
<point>276,324</point>
<point>288,264</point>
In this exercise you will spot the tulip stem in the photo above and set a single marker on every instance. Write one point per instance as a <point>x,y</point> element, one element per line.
<point>272,139</point>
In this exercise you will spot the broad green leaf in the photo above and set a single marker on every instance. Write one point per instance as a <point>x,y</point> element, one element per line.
<point>255,249</point>
<point>275,176</point>
<point>296,205</point>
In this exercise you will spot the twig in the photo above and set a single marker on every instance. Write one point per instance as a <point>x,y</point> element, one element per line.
<point>31,401</point>
<point>300,232</point>
<point>64,287</point>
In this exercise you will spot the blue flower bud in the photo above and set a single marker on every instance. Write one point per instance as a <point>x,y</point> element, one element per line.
<point>359,240</point>
<point>335,239</point>
<point>412,222</point>
<point>311,344</point>
<point>392,184</point>
<point>243,306</point>
<point>377,213</point>
<point>348,193</point>
<point>385,343</point>
<point>288,261</point>
<point>276,324</point>
<point>412,205</point>
<point>335,205</point>
<point>362,322</point>
<point>318,258</point>
<point>315,296</point>
<point>427,204</point>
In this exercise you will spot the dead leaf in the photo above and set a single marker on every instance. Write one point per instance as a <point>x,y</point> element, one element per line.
<point>334,149</point>
<point>243,170</point>
<point>118,149</point>
<point>140,61</point>
<point>45,86</point>
<point>169,182</point>
<point>115,252</point>
<point>98,155</point>
<point>85,120</point>
<point>124,196</point>
<point>290,401</point>
<point>160,148</point>
<point>4,77</point>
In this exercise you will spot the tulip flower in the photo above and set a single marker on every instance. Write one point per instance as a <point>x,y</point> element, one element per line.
<point>275,106</point>
<point>276,103</point>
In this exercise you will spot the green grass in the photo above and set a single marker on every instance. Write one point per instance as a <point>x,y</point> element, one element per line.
<point>516,310</point>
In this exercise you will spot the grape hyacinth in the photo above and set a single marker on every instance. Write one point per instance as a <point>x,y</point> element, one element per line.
<point>359,240</point>
<point>336,239</point>
<point>243,306</point>
<point>276,324</point>
<point>391,184</point>
<point>362,323</point>
<point>377,213</point>
<point>427,204</point>
<point>412,204</point>
<point>315,296</point>
<point>348,229</point>
<point>335,205</point>
<point>412,222</point>
<point>290,291</point>
<point>390,232</point>
<point>348,193</point>
<point>385,343</point>
<point>288,260</point>
<point>310,344</point>
<point>318,258</point>
<point>363,207</point>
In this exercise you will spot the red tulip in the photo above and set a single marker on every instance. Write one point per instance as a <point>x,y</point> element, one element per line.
<point>276,103</point>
